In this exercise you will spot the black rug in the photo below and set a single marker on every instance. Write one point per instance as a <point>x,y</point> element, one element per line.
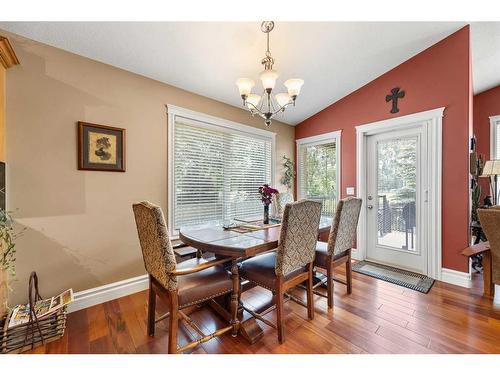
<point>410,280</point>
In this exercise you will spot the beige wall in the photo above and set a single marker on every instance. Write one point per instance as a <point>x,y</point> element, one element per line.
<point>80,229</point>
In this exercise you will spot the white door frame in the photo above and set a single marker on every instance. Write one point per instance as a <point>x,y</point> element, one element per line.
<point>432,121</point>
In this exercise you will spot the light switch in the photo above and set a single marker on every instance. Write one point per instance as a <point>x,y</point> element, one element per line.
<point>350,190</point>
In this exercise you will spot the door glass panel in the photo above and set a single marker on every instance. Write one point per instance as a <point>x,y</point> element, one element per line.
<point>396,185</point>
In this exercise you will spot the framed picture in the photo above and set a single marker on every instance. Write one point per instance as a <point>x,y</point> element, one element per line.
<point>101,148</point>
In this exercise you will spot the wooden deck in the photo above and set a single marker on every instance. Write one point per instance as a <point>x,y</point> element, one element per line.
<point>377,318</point>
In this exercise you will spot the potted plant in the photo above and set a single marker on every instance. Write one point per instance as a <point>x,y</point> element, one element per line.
<point>8,236</point>
<point>266,195</point>
<point>288,172</point>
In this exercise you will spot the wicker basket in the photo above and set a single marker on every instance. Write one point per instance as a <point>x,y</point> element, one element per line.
<point>38,331</point>
<point>27,336</point>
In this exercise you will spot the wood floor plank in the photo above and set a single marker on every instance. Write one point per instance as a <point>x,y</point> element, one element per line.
<point>378,317</point>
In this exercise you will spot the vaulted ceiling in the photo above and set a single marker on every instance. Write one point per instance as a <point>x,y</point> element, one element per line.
<point>334,58</point>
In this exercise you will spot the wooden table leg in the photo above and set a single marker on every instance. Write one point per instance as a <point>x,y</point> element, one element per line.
<point>248,328</point>
<point>235,300</point>
<point>489,288</point>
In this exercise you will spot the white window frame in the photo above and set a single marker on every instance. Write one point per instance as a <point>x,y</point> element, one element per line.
<point>211,122</point>
<point>494,123</point>
<point>319,140</point>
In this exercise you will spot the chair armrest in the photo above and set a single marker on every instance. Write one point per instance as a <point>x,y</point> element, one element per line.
<point>199,267</point>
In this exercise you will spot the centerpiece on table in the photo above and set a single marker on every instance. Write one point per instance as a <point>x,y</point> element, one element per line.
<point>266,195</point>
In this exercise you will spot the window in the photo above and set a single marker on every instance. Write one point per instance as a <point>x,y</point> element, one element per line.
<point>318,170</point>
<point>216,167</point>
<point>495,137</point>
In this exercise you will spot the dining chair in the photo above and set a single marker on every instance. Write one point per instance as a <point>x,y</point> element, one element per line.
<point>178,285</point>
<point>490,222</point>
<point>337,250</point>
<point>292,262</point>
<point>279,200</point>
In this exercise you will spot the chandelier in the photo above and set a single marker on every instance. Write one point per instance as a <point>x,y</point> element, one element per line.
<point>265,105</point>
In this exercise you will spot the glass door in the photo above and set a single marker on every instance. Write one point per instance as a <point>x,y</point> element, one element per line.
<point>394,203</point>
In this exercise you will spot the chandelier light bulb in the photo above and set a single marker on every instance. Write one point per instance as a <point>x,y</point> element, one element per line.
<point>294,85</point>
<point>245,86</point>
<point>283,99</point>
<point>253,101</point>
<point>268,78</point>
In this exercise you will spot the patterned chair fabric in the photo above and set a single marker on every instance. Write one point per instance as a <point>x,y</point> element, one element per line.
<point>344,225</point>
<point>299,232</point>
<point>490,222</point>
<point>279,202</point>
<point>157,251</point>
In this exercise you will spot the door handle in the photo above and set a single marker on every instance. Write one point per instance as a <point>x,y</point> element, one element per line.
<point>369,206</point>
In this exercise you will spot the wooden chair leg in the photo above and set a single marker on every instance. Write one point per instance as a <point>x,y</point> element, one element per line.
<point>329,285</point>
<point>174,322</point>
<point>348,273</point>
<point>310,298</point>
<point>280,319</point>
<point>151,309</point>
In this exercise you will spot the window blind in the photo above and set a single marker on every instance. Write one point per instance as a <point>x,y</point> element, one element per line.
<point>318,174</point>
<point>217,173</point>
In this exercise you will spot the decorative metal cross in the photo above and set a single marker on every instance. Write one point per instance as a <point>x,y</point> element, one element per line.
<point>395,95</point>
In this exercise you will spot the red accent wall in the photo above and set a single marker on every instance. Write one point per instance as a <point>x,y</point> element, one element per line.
<point>436,77</point>
<point>486,104</point>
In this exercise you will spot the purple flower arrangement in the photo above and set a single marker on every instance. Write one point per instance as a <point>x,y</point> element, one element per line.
<point>266,193</point>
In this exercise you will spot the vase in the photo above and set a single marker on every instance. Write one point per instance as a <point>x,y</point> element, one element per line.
<point>266,214</point>
<point>4,292</point>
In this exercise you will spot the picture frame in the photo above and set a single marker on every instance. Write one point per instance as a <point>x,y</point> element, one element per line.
<point>100,147</point>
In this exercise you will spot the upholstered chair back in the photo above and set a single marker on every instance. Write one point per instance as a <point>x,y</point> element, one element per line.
<point>490,222</point>
<point>157,251</point>
<point>299,233</point>
<point>345,222</point>
<point>279,202</point>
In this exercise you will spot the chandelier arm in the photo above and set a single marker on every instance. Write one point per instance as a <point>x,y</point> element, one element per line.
<point>281,109</point>
<point>257,110</point>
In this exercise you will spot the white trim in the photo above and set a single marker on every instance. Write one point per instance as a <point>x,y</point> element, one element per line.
<point>494,122</point>
<point>432,119</point>
<point>173,111</point>
<point>462,279</point>
<point>316,140</point>
<point>108,292</point>
<point>320,137</point>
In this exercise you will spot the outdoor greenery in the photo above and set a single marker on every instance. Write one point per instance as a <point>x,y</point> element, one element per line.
<point>320,175</point>
<point>397,171</point>
<point>321,170</point>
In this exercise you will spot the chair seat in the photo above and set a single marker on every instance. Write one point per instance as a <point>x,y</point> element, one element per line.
<point>203,285</point>
<point>322,254</point>
<point>261,270</point>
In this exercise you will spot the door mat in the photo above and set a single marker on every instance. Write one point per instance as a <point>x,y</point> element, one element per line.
<point>410,280</point>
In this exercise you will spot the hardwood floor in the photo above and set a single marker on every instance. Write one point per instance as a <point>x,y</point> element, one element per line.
<point>377,317</point>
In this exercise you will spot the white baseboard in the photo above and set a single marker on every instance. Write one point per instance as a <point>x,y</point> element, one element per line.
<point>456,277</point>
<point>108,292</point>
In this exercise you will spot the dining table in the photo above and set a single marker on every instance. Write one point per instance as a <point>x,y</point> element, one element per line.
<point>237,245</point>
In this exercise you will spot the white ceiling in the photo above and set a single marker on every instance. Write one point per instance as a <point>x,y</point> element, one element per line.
<point>485,43</point>
<point>334,58</point>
